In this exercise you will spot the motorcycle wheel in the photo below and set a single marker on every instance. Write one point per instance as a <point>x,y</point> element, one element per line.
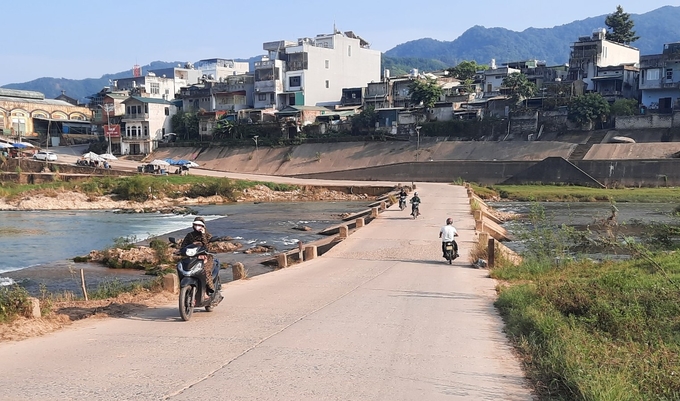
<point>186,302</point>
<point>449,256</point>
<point>218,286</point>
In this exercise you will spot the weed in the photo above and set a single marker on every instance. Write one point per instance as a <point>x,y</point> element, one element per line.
<point>13,302</point>
<point>288,156</point>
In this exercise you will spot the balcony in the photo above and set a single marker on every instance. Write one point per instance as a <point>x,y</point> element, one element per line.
<point>137,116</point>
<point>660,84</point>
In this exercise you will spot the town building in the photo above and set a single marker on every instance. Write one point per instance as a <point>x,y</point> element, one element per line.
<point>660,79</point>
<point>593,52</point>
<point>617,82</point>
<point>147,120</point>
<point>218,69</point>
<point>493,78</point>
<point>161,83</point>
<point>28,115</point>
<point>313,71</point>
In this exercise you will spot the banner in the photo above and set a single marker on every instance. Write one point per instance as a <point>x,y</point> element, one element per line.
<point>112,131</point>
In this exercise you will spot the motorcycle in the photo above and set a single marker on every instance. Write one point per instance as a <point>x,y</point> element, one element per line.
<point>402,202</point>
<point>192,285</point>
<point>451,255</point>
<point>416,210</point>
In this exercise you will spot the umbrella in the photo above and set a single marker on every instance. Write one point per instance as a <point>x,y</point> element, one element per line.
<point>5,145</point>
<point>92,156</point>
<point>108,156</point>
<point>192,164</point>
<point>159,162</point>
<point>21,145</point>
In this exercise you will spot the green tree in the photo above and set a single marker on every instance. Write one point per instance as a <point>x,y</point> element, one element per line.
<point>466,70</point>
<point>588,108</point>
<point>625,107</point>
<point>185,125</point>
<point>224,128</point>
<point>519,87</point>
<point>427,91</point>
<point>364,121</point>
<point>621,27</point>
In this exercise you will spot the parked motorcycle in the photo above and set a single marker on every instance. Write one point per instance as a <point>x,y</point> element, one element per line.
<point>451,255</point>
<point>192,285</point>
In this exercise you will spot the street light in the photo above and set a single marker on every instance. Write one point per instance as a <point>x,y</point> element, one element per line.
<point>107,108</point>
<point>418,127</point>
<point>255,139</point>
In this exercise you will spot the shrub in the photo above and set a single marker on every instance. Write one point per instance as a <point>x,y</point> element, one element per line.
<point>13,302</point>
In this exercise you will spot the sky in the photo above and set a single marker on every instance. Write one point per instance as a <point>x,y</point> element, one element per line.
<point>79,39</point>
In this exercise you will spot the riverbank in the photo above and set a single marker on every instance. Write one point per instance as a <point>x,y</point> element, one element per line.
<point>51,199</point>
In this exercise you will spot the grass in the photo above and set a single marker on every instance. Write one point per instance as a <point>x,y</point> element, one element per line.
<point>141,187</point>
<point>567,193</point>
<point>596,331</point>
<point>13,302</point>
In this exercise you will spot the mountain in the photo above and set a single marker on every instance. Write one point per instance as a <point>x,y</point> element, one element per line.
<point>551,45</point>
<point>80,89</point>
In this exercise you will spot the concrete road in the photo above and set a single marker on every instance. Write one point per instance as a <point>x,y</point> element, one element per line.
<point>379,317</point>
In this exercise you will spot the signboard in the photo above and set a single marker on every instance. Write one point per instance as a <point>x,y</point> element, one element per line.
<point>112,131</point>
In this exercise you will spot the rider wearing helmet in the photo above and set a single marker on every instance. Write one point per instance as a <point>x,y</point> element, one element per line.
<point>201,236</point>
<point>447,233</point>
<point>415,202</point>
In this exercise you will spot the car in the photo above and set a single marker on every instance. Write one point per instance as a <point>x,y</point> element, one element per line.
<point>45,155</point>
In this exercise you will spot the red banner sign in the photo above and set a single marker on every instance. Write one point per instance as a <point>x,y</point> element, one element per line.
<point>112,131</point>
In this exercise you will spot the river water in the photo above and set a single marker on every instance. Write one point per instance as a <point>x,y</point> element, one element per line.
<point>37,245</point>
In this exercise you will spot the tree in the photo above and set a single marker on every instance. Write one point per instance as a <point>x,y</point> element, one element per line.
<point>519,87</point>
<point>426,91</point>
<point>625,107</point>
<point>364,121</point>
<point>466,70</point>
<point>621,27</point>
<point>588,108</point>
<point>185,125</point>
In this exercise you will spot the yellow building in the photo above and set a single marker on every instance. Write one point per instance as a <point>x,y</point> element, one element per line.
<point>27,115</point>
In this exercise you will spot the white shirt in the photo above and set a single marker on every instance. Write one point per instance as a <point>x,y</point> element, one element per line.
<point>447,233</point>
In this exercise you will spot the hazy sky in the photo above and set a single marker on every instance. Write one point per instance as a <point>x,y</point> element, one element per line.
<point>79,39</point>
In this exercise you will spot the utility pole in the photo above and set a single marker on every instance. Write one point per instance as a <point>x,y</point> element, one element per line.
<point>107,109</point>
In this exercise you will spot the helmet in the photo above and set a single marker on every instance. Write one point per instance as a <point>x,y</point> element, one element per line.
<point>415,194</point>
<point>449,221</point>
<point>199,221</point>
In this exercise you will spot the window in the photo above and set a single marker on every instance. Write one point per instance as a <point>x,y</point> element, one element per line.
<point>328,84</point>
<point>139,109</point>
<point>349,51</point>
<point>262,97</point>
<point>294,81</point>
<point>669,74</point>
<point>653,74</point>
<point>146,131</point>
<point>167,111</point>
<point>155,88</point>
<point>327,63</point>
<point>146,108</point>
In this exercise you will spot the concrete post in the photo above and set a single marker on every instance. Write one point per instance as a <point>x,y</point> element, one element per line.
<point>238,271</point>
<point>311,252</point>
<point>34,308</point>
<point>383,205</point>
<point>492,252</point>
<point>360,222</point>
<point>171,283</point>
<point>479,225</point>
<point>344,232</point>
<point>478,214</point>
<point>483,239</point>
<point>374,212</point>
<point>282,260</point>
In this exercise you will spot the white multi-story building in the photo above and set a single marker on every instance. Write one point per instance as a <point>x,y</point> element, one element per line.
<point>593,52</point>
<point>161,83</point>
<point>218,69</point>
<point>146,122</point>
<point>313,72</point>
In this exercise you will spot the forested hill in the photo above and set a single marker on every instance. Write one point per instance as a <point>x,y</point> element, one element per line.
<point>551,45</point>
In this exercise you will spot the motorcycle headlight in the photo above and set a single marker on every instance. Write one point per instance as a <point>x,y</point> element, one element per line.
<point>190,251</point>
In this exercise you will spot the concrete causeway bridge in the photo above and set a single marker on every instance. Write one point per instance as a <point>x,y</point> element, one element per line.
<point>380,316</point>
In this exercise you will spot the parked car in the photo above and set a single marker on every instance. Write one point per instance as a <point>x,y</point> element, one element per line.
<point>45,155</point>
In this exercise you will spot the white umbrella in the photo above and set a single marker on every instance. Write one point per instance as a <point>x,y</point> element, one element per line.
<point>5,145</point>
<point>159,162</point>
<point>192,164</point>
<point>91,156</point>
<point>108,156</point>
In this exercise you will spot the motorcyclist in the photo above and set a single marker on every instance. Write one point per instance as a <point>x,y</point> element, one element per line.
<point>447,233</point>
<point>415,203</point>
<point>201,236</point>
<point>402,196</point>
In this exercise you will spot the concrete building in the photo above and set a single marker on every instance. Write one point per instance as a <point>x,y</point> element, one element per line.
<point>593,52</point>
<point>146,121</point>
<point>28,115</point>
<point>162,83</point>
<point>231,94</point>
<point>493,78</point>
<point>218,68</point>
<point>660,79</point>
<point>617,82</point>
<point>313,71</point>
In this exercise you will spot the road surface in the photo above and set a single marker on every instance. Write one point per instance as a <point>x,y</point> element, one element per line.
<point>381,316</point>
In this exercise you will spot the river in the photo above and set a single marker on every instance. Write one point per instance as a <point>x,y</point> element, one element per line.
<point>37,245</point>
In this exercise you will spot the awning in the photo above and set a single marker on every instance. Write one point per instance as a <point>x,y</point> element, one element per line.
<point>610,78</point>
<point>61,120</point>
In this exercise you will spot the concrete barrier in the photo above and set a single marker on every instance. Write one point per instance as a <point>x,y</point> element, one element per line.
<point>282,260</point>
<point>344,232</point>
<point>360,222</point>
<point>171,283</point>
<point>34,308</point>
<point>374,213</point>
<point>311,252</point>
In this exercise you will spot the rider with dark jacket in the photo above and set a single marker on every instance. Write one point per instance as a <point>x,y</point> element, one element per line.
<point>200,235</point>
<point>415,203</point>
